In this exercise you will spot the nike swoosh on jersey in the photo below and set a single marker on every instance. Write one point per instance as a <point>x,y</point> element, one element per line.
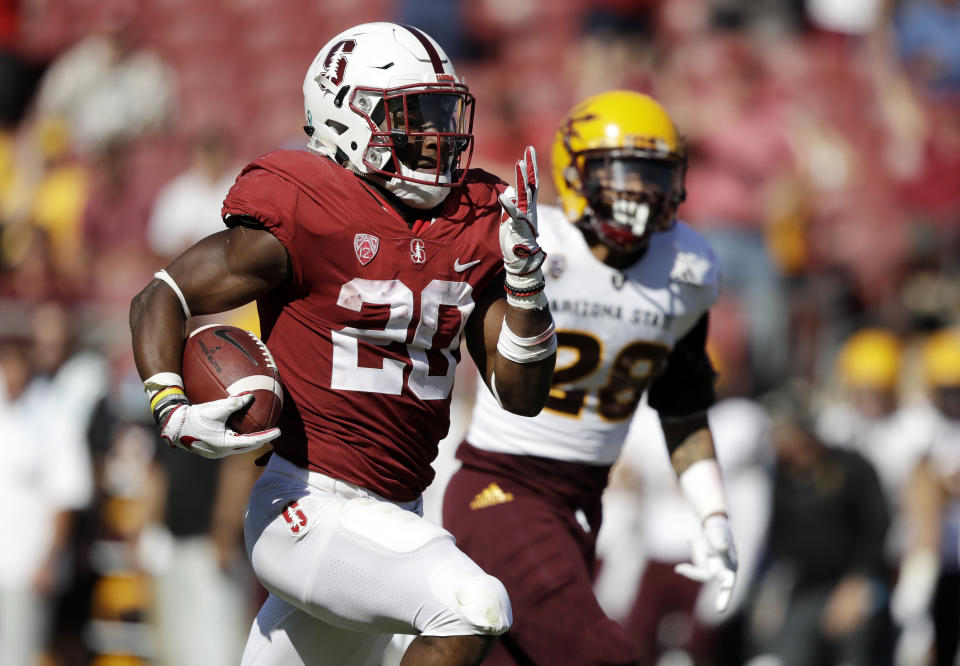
<point>458,267</point>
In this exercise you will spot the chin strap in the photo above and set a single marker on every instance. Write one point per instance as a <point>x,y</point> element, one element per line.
<point>415,195</point>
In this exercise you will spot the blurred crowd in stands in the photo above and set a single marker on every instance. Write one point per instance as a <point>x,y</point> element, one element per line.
<point>824,167</point>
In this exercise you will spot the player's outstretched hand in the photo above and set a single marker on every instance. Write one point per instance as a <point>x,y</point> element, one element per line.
<point>522,255</point>
<point>714,557</point>
<point>202,428</point>
<point>518,225</point>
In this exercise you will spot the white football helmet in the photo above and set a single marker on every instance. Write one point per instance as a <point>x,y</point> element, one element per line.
<point>384,100</point>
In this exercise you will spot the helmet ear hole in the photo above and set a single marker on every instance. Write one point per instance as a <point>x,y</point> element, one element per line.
<point>337,127</point>
<point>571,176</point>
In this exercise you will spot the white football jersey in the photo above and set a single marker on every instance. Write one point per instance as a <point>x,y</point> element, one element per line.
<point>614,331</point>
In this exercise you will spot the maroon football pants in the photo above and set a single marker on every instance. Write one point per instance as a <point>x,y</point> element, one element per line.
<point>533,543</point>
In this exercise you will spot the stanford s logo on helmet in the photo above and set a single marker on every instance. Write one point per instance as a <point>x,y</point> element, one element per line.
<point>385,101</point>
<point>336,62</point>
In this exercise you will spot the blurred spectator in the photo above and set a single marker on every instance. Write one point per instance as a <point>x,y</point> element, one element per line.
<point>761,17</point>
<point>11,98</point>
<point>204,600</point>
<point>822,596</point>
<point>46,477</point>
<point>445,21</point>
<point>615,45</point>
<point>853,17</point>
<point>57,199</point>
<point>194,589</point>
<point>16,75</point>
<point>929,584</point>
<point>739,149</point>
<point>115,227</point>
<point>113,606</point>
<point>188,208</point>
<point>76,375</point>
<point>868,418</point>
<point>926,34</point>
<point>20,69</point>
<point>106,86</point>
<point>929,191</point>
<point>28,270</point>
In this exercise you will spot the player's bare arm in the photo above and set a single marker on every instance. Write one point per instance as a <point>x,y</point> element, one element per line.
<point>517,350</point>
<point>522,387</point>
<point>688,441</point>
<point>221,272</point>
<point>714,556</point>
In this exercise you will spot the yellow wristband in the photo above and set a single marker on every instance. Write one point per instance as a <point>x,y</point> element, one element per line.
<point>160,395</point>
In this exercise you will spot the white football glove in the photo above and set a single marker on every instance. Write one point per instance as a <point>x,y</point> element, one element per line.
<point>522,255</point>
<point>915,588</point>
<point>202,428</point>
<point>714,557</point>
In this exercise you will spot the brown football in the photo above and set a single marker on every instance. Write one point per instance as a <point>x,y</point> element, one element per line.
<point>220,361</point>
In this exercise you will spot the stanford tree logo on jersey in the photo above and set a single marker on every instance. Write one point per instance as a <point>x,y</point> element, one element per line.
<point>418,252</point>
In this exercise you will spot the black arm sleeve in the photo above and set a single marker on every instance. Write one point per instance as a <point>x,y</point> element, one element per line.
<point>686,384</point>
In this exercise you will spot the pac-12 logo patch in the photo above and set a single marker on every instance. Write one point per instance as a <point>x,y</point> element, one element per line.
<point>418,252</point>
<point>366,247</point>
<point>556,265</point>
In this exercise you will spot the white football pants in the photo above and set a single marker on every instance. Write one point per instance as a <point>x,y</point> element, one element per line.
<point>347,569</point>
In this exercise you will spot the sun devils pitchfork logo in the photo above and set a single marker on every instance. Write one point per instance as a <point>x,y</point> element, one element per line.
<point>365,246</point>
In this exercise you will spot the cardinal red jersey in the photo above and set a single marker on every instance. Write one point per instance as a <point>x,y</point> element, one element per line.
<point>366,333</point>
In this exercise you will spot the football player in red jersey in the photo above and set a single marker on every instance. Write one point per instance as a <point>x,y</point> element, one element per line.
<point>369,255</point>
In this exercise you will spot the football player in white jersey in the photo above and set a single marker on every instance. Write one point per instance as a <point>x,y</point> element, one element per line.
<point>629,287</point>
<point>925,601</point>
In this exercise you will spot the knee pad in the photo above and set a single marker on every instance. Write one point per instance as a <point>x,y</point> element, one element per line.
<point>480,600</point>
<point>484,602</point>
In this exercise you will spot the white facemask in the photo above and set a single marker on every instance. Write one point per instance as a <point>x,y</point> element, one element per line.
<point>632,214</point>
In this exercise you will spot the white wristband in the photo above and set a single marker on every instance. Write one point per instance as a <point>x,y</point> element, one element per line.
<point>160,381</point>
<point>702,485</point>
<point>165,277</point>
<point>526,350</point>
<point>516,285</point>
<point>537,301</point>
